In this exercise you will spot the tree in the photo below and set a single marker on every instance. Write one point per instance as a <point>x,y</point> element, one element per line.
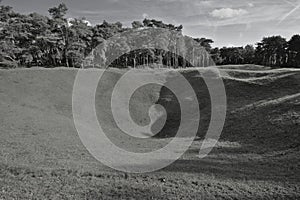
<point>159,24</point>
<point>60,29</point>
<point>206,43</point>
<point>137,24</point>
<point>294,51</point>
<point>216,56</point>
<point>80,42</point>
<point>232,55</point>
<point>272,51</point>
<point>35,39</point>
<point>58,12</point>
<point>249,54</point>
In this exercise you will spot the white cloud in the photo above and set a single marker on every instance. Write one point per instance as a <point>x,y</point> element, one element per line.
<point>251,5</point>
<point>225,13</point>
<point>88,23</point>
<point>145,15</point>
<point>70,20</point>
<point>204,3</point>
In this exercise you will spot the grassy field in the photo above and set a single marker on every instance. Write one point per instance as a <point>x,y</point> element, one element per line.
<point>258,156</point>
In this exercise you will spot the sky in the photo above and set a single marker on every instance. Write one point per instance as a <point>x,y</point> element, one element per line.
<point>227,22</point>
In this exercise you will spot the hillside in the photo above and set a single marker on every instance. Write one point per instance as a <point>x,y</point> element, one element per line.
<point>258,155</point>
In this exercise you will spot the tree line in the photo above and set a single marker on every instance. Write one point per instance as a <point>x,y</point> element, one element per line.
<point>274,51</point>
<point>54,41</point>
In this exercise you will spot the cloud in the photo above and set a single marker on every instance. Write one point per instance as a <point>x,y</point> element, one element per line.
<point>226,13</point>
<point>206,3</point>
<point>251,5</point>
<point>88,23</point>
<point>145,15</point>
<point>70,20</point>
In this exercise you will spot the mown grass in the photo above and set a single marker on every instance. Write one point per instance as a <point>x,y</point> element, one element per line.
<point>41,155</point>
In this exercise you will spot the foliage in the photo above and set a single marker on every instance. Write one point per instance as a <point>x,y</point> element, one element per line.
<point>272,51</point>
<point>37,40</point>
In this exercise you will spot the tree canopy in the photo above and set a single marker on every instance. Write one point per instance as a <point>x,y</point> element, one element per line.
<point>37,40</point>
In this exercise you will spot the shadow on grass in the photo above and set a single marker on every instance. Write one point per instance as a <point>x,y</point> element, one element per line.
<point>240,164</point>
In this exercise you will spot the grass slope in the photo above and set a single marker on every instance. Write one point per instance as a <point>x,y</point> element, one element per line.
<point>257,157</point>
